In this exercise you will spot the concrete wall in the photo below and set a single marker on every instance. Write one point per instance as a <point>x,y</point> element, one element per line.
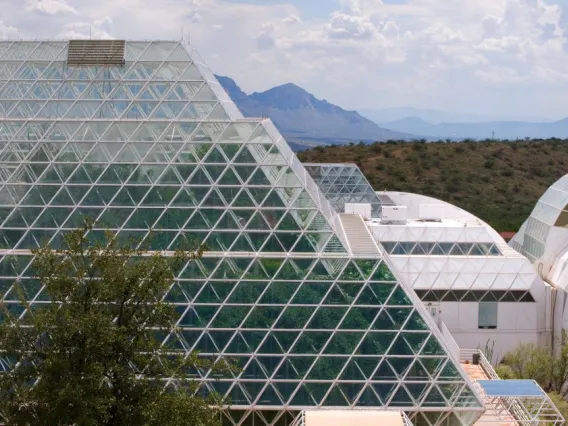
<point>516,323</point>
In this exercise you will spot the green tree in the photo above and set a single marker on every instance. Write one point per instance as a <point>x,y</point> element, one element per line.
<point>529,361</point>
<point>559,366</point>
<point>94,355</point>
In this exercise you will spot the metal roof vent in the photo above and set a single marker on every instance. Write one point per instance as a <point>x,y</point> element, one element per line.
<point>87,53</point>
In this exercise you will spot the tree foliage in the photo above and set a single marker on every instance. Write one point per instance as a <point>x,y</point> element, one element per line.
<point>94,354</point>
<point>559,365</point>
<point>529,361</point>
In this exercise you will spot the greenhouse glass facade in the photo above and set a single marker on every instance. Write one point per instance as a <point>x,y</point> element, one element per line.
<point>140,138</point>
<point>344,183</point>
<point>550,211</point>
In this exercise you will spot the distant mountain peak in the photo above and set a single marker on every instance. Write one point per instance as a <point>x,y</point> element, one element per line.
<point>511,130</point>
<point>290,86</point>
<point>231,87</point>
<point>413,120</point>
<point>288,96</point>
<point>300,116</point>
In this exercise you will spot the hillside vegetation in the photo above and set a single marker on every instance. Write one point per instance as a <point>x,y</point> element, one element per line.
<point>498,181</point>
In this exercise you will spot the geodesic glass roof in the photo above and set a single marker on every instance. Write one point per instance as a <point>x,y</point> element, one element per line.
<point>155,147</point>
<point>344,183</point>
<point>550,211</point>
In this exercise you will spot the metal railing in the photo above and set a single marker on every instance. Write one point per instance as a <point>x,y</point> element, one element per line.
<point>510,404</point>
<point>300,419</point>
<point>467,355</point>
<point>405,419</point>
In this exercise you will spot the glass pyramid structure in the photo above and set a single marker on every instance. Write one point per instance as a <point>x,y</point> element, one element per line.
<point>344,183</point>
<point>150,141</point>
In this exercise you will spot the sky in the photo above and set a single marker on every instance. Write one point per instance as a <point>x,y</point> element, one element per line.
<point>491,57</point>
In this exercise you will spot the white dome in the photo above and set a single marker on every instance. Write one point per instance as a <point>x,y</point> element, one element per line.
<point>543,238</point>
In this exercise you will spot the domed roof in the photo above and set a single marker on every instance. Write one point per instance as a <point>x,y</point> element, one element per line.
<point>544,235</point>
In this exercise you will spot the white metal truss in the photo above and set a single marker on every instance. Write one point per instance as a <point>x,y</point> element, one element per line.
<point>520,410</point>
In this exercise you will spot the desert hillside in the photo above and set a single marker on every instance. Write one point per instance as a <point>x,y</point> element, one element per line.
<point>499,182</point>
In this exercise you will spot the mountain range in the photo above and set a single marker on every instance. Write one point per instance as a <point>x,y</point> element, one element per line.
<point>303,119</point>
<point>306,121</point>
<point>484,130</point>
<point>437,116</point>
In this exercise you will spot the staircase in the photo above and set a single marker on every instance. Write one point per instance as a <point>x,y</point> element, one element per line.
<point>358,237</point>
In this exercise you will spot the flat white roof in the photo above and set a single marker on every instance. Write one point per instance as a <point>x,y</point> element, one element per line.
<point>353,417</point>
<point>458,224</point>
<point>444,223</point>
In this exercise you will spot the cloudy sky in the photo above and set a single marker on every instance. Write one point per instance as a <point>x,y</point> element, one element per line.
<point>492,57</point>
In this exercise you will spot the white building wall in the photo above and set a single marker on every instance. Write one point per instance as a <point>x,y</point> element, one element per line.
<point>516,323</point>
<point>560,314</point>
<point>522,322</point>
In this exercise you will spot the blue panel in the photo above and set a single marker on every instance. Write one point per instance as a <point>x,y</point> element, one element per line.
<point>511,388</point>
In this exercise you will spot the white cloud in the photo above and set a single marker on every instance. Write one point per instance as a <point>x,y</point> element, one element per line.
<point>292,19</point>
<point>391,30</point>
<point>195,17</point>
<point>50,7</point>
<point>443,35</point>
<point>98,29</point>
<point>451,54</point>
<point>7,31</point>
<point>265,41</point>
<point>346,26</point>
<point>499,75</point>
<point>492,26</point>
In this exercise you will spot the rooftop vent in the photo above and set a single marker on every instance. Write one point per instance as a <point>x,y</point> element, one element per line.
<point>430,212</point>
<point>394,214</point>
<point>87,53</point>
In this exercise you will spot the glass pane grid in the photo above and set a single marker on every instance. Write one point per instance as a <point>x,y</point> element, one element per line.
<point>415,248</point>
<point>549,212</point>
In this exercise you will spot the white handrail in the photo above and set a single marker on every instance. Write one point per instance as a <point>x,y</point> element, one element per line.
<point>450,341</point>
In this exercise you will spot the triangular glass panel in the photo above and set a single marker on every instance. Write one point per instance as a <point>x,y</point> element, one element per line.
<point>401,398</point>
<point>415,322</point>
<point>336,398</point>
<point>359,318</point>
<point>303,397</point>
<point>321,272</point>
<point>258,178</point>
<point>214,199</point>
<point>244,157</point>
<point>214,172</point>
<point>434,398</point>
<point>369,398</point>
<point>244,172</point>
<point>433,347</point>
<point>399,297</point>
<point>269,397</point>
<point>351,273</point>
<point>218,113</point>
